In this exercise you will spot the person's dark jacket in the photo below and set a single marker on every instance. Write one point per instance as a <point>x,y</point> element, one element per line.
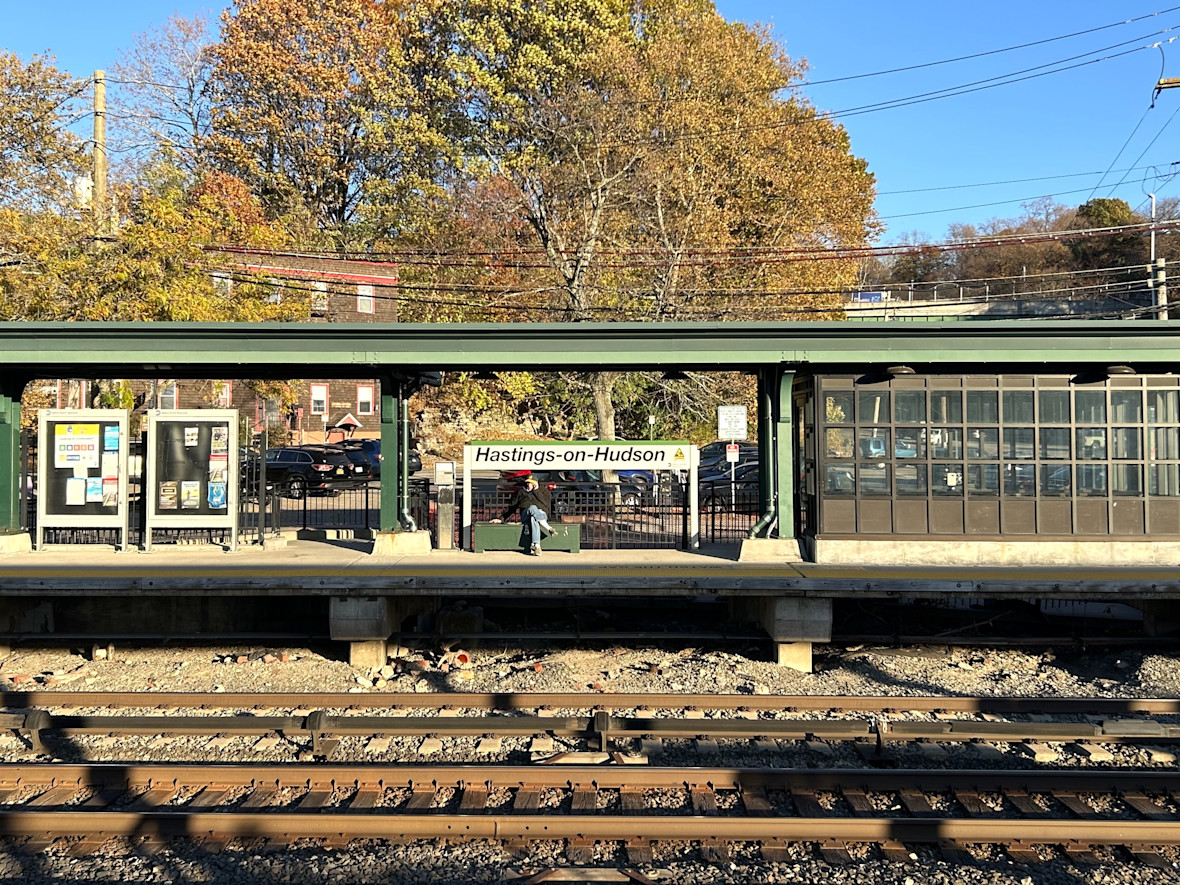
<point>524,499</point>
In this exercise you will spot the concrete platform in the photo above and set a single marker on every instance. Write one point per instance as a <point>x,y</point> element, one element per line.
<point>347,567</point>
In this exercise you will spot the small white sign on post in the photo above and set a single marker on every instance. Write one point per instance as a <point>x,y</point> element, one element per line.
<point>731,423</point>
<point>731,453</point>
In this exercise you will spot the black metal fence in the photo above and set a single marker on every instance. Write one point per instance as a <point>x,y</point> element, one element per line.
<point>613,516</point>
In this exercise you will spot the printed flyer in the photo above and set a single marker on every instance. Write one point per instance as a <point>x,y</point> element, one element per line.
<point>219,468</point>
<point>217,495</point>
<point>168,496</point>
<point>75,445</point>
<point>220,439</point>
<point>94,490</point>
<point>110,493</point>
<point>192,436</point>
<point>190,494</point>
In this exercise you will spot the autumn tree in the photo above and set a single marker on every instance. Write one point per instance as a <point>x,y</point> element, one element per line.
<point>315,104</point>
<point>156,269</point>
<point>660,160</point>
<point>39,157</point>
<point>161,101</point>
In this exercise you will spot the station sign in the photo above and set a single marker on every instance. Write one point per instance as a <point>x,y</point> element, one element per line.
<point>732,423</point>
<point>581,455</point>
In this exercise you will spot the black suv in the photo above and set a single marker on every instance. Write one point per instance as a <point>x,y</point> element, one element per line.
<point>299,471</point>
<point>372,450</point>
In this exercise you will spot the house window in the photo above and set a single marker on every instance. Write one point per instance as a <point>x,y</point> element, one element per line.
<point>364,399</point>
<point>364,298</point>
<point>166,397</point>
<point>319,297</point>
<point>223,394</point>
<point>319,399</point>
<point>223,284</point>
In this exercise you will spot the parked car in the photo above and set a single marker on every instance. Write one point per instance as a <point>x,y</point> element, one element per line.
<point>713,455</point>
<point>372,449</point>
<point>717,489</point>
<point>298,471</point>
<point>564,484</point>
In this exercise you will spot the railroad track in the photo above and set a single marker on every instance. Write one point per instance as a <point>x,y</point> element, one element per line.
<point>323,731</point>
<point>587,700</point>
<point>842,812</point>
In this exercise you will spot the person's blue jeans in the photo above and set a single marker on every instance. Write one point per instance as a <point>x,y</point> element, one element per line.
<point>531,518</point>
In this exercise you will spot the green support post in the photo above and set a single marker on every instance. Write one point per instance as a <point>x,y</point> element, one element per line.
<point>786,471</point>
<point>391,465</point>
<point>10,516</point>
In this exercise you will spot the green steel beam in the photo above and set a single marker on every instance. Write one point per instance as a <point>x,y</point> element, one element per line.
<point>348,350</point>
<point>10,474</point>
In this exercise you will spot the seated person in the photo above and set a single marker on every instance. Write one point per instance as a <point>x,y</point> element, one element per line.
<point>534,503</point>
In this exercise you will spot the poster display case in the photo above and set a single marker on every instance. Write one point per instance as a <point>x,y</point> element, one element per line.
<point>192,471</point>
<point>82,477</point>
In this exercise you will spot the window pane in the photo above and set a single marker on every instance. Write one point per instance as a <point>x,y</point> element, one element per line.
<point>1020,479</point>
<point>1163,480</point>
<point>1165,443</point>
<point>874,442</point>
<point>910,443</point>
<point>1018,442</point>
<point>874,479</point>
<point>946,479</point>
<point>1163,406</point>
<point>983,442</point>
<point>946,442</point>
<point>1091,443</point>
<point>874,407</point>
<point>946,407</point>
<point>911,479</point>
<point>909,407</point>
<point>1056,480</point>
<point>1091,406</point>
<point>1054,406</point>
<point>1126,479</point>
<point>1092,479</point>
<point>838,442</point>
<point>840,481</point>
<point>1054,442</point>
<point>1126,405</point>
<point>838,408</point>
<point>1125,443</point>
<point>1018,407</point>
<point>983,480</point>
<point>983,407</point>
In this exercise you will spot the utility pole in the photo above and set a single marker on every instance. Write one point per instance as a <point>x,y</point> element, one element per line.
<point>1161,288</point>
<point>99,198</point>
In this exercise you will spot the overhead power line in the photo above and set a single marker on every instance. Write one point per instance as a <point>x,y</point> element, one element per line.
<point>947,61</point>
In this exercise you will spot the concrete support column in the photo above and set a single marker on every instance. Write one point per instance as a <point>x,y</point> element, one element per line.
<point>366,623</point>
<point>794,623</point>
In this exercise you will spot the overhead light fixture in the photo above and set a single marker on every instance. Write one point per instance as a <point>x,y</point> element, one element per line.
<point>485,375</point>
<point>675,375</point>
<point>899,370</point>
<point>1119,370</point>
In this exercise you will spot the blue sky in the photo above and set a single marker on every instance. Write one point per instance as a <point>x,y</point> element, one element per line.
<point>1073,123</point>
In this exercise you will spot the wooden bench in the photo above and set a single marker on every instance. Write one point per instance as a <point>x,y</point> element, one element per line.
<point>512,536</point>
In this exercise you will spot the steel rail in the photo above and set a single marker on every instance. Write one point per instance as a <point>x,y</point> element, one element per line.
<point>585,700</point>
<point>273,824</point>
<point>394,776</point>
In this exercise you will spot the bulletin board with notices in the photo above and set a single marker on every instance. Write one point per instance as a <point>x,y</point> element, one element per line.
<point>82,477</point>
<point>192,470</point>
